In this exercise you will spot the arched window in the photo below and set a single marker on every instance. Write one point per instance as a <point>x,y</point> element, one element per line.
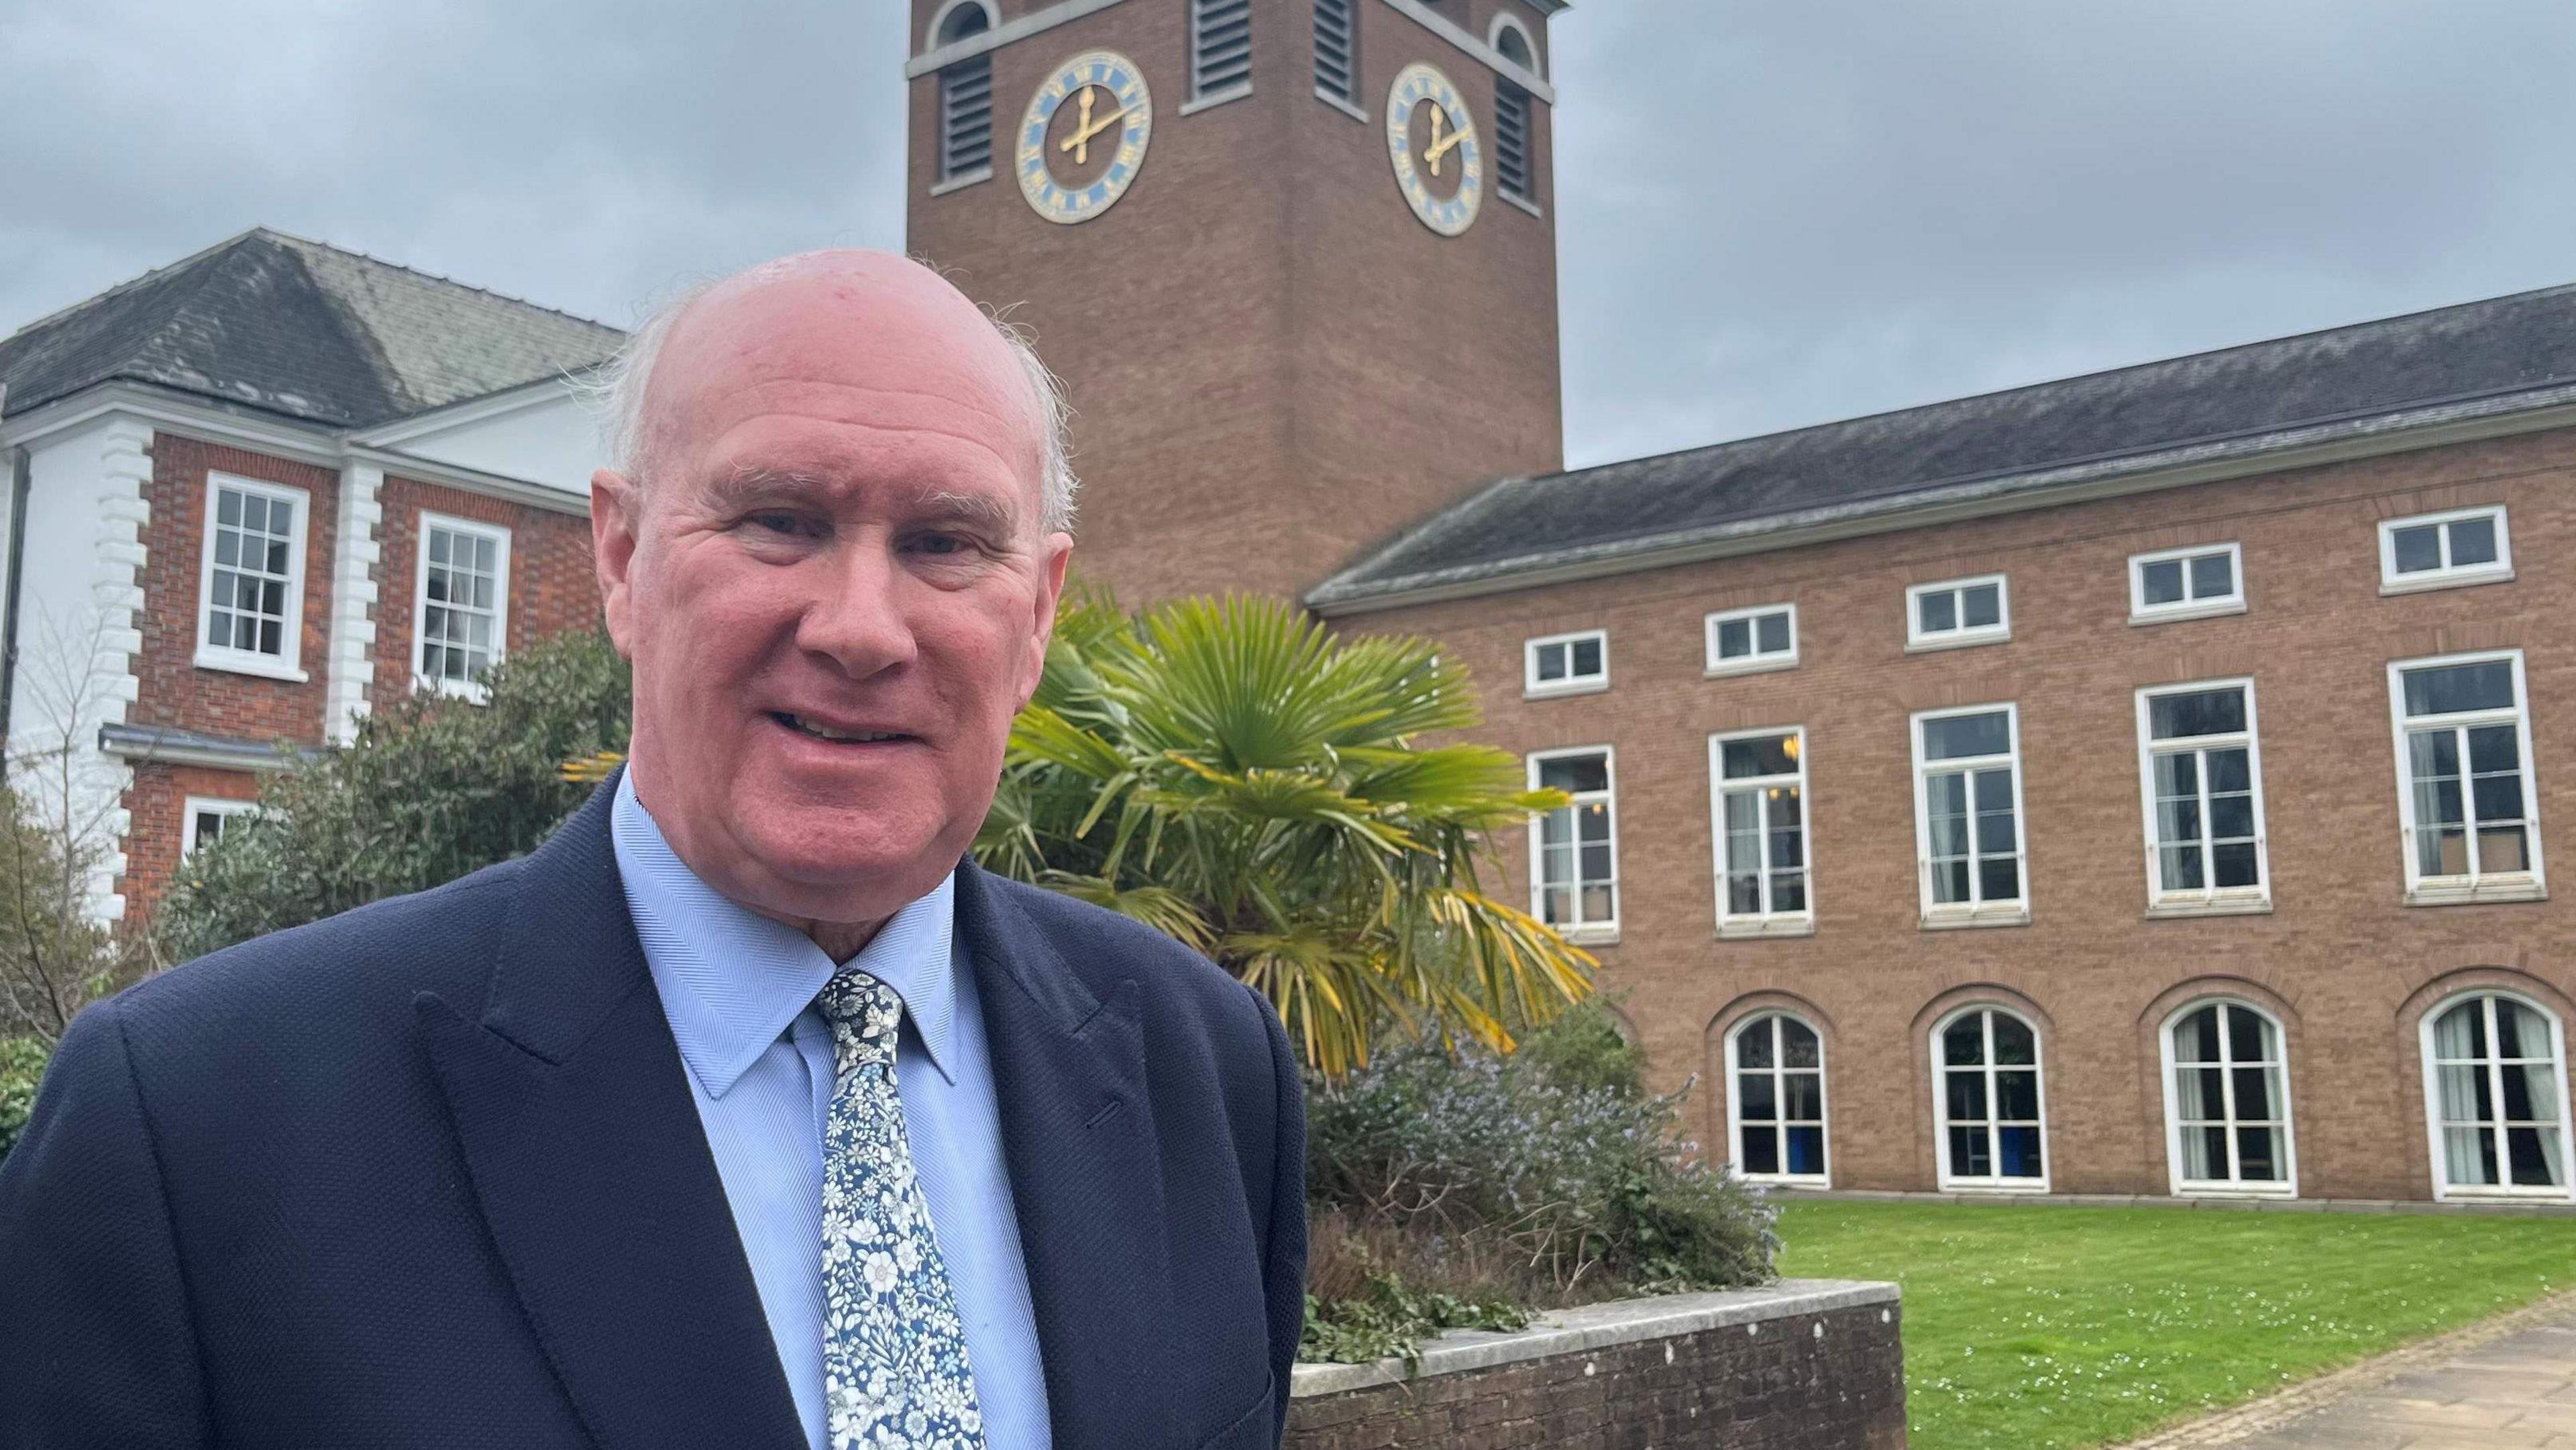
<point>1993,1124</point>
<point>2227,1101</point>
<point>1512,113</point>
<point>965,96</point>
<point>2495,1087</point>
<point>1775,1104</point>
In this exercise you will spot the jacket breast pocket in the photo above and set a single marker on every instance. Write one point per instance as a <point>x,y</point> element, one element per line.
<point>1258,1429</point>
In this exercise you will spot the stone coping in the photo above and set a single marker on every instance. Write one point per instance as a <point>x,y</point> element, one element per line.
<point>1598,1326</point>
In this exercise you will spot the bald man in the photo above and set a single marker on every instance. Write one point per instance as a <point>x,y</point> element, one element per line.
<point>747,1111</point>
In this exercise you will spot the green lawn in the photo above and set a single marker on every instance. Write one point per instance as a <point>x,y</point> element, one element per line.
<point>2030,1327</point>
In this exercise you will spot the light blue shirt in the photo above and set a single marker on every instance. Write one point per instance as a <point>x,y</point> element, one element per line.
<point>739,989</point>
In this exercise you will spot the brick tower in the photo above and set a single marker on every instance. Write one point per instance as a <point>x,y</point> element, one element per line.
<point>1287,326</point>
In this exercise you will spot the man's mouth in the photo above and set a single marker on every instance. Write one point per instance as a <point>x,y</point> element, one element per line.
<point>835,734</point>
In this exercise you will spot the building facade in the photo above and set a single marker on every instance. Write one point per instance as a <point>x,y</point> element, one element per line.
<point>255,494</point>
<point>2139,784</point>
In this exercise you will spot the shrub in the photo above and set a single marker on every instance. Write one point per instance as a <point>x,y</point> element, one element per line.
<point>1545,1178</point>
<point>22,1066</point>
<point>432,788</point>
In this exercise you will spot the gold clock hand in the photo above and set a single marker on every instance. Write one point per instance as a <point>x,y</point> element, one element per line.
<point>1445,145</point>
<point>1079,143</point>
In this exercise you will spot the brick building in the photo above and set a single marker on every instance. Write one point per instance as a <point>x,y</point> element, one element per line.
<point>255,493</point>
<point>2135,784</point>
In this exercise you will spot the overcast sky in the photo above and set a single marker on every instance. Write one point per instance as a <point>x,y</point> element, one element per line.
<point>1772,212</point>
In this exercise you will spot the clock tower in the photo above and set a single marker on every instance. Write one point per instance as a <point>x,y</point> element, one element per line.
<point>1294,259</point>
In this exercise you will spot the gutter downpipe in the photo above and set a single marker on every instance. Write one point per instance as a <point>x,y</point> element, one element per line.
<point>21,481</point>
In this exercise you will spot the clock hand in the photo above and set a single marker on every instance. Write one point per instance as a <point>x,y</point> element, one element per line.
<point>1441,146</point>
<point>1079,143</point>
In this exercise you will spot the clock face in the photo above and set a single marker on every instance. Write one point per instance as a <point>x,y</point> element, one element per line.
<point>1439,159</point>
<point>1083,137</point>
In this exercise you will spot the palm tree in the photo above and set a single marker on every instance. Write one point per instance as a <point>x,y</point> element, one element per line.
<point>1234,775</point>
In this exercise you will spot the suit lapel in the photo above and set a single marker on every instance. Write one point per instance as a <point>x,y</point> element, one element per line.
<point>593,1172</point>
<point>1086,1181</point>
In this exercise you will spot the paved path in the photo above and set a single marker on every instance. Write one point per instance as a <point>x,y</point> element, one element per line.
<point>2506,1384</point>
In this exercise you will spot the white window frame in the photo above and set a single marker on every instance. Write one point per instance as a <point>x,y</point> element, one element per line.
<point>210,656</point>
<point>1961,1183</point>
<point>499,534</point>
<point>1532,688</point>
<point>1937,915</point>
<point>2184,1187</point>
<point>2448,576</point>
<point>2210,900</point>
<point>1589,932</point>
<point>1918,641</point>
<point>2531,885</point>
<point>2443,1190</point>
<point>1757,662</point>
<point>2232,602</point>
<point>196,805</point>
<point>1779,1125</point>
<point>1762,923</point>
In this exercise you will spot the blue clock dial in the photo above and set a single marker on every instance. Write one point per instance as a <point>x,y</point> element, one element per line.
<point>1082,139</point>
<point>1439,159</point>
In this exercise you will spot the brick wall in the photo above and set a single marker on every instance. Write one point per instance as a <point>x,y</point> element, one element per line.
<point>552,585</point>
<point>172,690</point>
<point>1827,1381</point>
<point>157,802</point>
<point>2346,966</point>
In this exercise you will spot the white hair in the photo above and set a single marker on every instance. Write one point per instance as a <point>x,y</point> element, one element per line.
<point>617,388</point>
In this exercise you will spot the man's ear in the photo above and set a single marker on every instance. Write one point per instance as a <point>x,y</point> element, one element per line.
<point>616,521</point>
<point>1054,551</point>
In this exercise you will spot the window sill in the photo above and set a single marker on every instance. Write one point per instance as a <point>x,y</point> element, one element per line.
<point>2419,583</point>
<point>1755,928</point>
<point>2235,1192</point>
<point>1788,1180</point>
<point>1521,202</point>
<point>1998,1190</point>
<point>2476,1197</point>
<point>962,180</point>
<point>1356,113</point>
<point>1214,99</point>
<point>1595,935</point>
<point>234,663</point>
<point>1957,641</point>
<point>1554,691</point>
<point>2520,889</point>
<point>1994,916</point>
<point>2215,906</point>
<point>473,692</point>
<point>2212,609</point>
<point>1756,665</point>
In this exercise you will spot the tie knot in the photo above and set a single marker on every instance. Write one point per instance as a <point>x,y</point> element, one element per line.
<point>860,1006</point>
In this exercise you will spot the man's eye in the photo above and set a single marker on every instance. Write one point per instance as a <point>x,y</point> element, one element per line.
<point>940,544</point>
<point>779,522</point>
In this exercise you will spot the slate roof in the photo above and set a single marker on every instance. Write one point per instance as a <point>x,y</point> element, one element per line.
<point>2208,404</point>
<point>301,330</point>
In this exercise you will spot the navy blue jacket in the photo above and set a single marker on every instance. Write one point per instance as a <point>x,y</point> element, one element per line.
<point>428,1174</point>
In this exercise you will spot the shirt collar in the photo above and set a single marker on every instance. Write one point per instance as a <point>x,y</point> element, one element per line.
<point>732,981</point>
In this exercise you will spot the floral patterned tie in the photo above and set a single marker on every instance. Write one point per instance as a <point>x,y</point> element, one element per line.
<point>895,1375</point>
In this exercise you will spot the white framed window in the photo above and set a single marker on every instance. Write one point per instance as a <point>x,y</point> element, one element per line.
<point>1958,612</point>
<point>2438,551</point>
<point>461,606</point>
<point>2193,583</point>
<point>1994,1121</point>
<point>250,614</point>
<point>2227,1101</point>
<point>1775,1102</point>
<point>1566,664</point>
<point>1967,816</point>
<point>2470,816</point>
<point>1745,641</point>
<point>1220,49</point>
<point>1574,849</point>
<point>1758,789</point>
<point>2495,1097</point>
<point>2200,779</point>
<point>204,819</point>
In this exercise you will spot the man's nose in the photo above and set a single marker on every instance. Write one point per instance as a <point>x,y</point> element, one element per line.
<point>858,620</point>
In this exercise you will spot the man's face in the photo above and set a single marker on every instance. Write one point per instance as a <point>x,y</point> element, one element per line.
<point>832,581</point>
